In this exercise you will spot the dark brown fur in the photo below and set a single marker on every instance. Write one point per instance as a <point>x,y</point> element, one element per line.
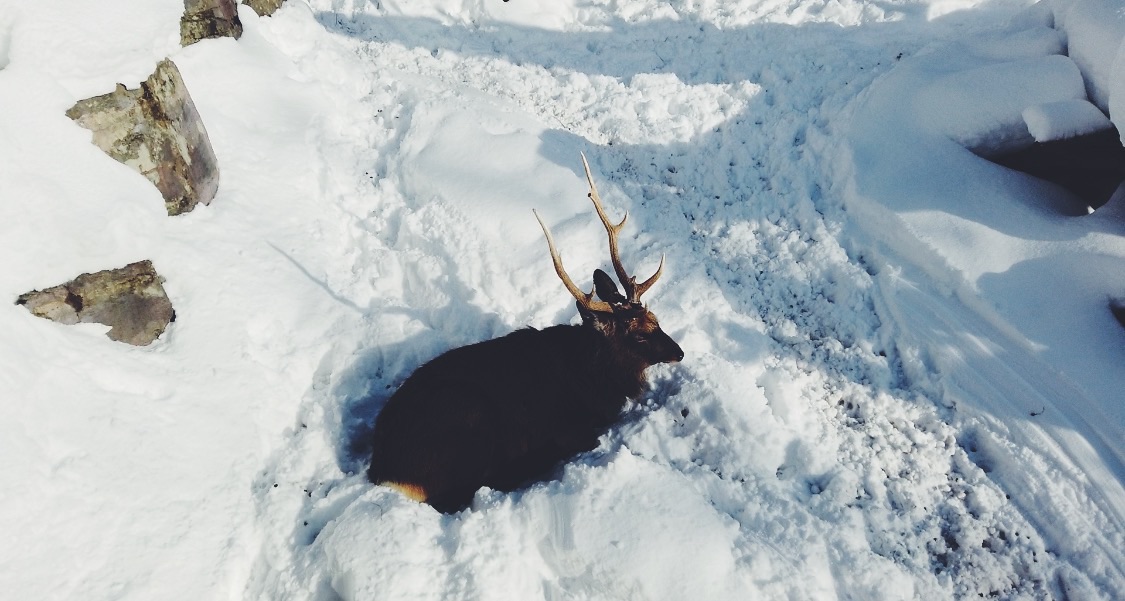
<point>505,412</point>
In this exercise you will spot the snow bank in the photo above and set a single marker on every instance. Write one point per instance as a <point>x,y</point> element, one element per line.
<point>1032,285</point>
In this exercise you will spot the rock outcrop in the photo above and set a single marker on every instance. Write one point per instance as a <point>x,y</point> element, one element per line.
<point>264,8</point>
<point>131,300</point>
<point>157,130</point>
<point>205,19</point>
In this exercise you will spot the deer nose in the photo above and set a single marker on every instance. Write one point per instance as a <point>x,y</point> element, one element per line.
<point>669,351</point>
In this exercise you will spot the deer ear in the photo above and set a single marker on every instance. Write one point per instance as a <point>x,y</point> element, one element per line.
<point>602,322</point>
<point>607,290</point>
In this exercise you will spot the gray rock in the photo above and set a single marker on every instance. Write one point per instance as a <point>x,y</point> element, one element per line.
<point>156,130</point>
<point>209,19</point>
<point>264,8</point>
<point>131,300</point>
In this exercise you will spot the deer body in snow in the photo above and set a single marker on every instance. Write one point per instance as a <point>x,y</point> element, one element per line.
<point>504,412</point>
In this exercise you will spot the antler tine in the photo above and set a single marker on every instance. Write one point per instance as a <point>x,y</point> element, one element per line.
<point>645,285</point>
<point>633,291</point>
<point>627,281</point>
<point>584,299</point>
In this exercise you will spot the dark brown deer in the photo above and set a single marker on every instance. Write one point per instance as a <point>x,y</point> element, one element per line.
<point>504,412</point>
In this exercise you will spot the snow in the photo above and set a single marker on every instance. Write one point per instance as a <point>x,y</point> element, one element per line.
<point>980,106</point>
<point>1064,119</point>
<point>902,376</point>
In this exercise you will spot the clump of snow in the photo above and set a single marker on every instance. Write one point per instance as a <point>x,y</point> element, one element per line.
<point>1064,119</point>
<point>902,379</point>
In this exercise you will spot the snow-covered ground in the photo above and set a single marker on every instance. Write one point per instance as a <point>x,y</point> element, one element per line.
<point>902,377</point>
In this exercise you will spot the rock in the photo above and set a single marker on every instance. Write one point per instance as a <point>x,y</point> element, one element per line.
<point>156,130</point>
<point>264,8</point>
<point>131,300</point>
<point>209,19</point>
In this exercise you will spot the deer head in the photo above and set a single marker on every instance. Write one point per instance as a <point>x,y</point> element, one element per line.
<point>631,329</point>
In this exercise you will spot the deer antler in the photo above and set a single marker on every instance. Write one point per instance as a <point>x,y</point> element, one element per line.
<point>633,291</point>
<point>586,300</point>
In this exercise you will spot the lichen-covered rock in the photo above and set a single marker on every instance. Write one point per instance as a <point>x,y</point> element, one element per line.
<point>131,300</point>
<point>156,130</point>
<point>264,8</point>
<point>209,19</point>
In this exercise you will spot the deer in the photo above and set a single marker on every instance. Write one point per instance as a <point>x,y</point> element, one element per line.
<point>506,412</point>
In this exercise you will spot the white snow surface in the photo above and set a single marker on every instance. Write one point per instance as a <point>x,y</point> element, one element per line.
<point>902,378</point>
<point>1064,119</point>
<point>982,106</point>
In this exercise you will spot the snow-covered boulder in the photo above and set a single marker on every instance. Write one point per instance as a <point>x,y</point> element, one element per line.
<point>157,130</point>
<point>130,300</point>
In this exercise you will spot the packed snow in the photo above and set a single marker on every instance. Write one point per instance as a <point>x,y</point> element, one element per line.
<point>902,377</point>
